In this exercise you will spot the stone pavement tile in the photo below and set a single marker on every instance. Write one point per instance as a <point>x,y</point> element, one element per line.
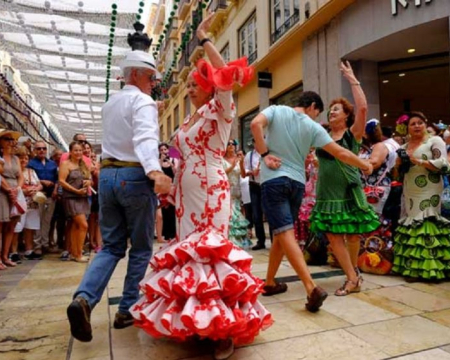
<point>434,354</point>
<point>404,335</point>
<point>431,289</point>
<point>384,280</point>
<point>295,291</point>
<point>247,353</point>
<point>48,352</point>
<point>414,298</point>
<point>446,348</point>
<point>355,311</point>
<point>37,303</point>
<point>289,322</point>
<point>98,347</point>
<point>17,318</point>
<point>386,303</point>
<point>292,320</point>
<point>442,317</point>
<point>329,345</point>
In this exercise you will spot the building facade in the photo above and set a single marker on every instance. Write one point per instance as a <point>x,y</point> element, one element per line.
<point>400,51</point>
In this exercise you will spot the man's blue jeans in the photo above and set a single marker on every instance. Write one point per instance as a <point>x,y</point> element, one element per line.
<point>127,210</point>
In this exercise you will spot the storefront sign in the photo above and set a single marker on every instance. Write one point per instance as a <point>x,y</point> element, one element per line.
<point>405,3</point>
<point>265,80</point>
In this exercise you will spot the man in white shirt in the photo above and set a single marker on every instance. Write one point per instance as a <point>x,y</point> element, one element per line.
<point>252,166</point>
<point>129,180</point>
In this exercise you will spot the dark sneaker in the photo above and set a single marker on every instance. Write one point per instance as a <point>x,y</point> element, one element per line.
<point>33,256</point>
<point>122,321</point>
<point>316,299</point>
<point>278,288</point>
<point>15,258</point>
<point>258,247</point>
<point>79,314</point>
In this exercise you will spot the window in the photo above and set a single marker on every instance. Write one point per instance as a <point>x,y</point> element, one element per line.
<point>176,116</point>
<point>284,15</point>
<point>226,53</point>
<point>246,135</point>
<point>248,39</point>
<point>187,106</point>
<point>169,126</point>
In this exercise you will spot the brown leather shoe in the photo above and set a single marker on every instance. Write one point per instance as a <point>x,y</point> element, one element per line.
<point>79,314</point>
<point>316,299</point>
<point>278,288</point>
<point>122,321</point>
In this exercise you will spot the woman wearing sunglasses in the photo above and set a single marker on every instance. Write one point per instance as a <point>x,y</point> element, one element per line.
<point>12,181</point>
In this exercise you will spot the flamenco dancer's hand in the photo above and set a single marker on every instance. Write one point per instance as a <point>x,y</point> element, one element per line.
<point>347,72</point>
<point>272,162</point>
<point>203,28</point>
<point>162,182</point>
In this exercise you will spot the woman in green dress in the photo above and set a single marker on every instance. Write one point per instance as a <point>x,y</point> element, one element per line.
<point>421,250</point>
<point>341,209</point>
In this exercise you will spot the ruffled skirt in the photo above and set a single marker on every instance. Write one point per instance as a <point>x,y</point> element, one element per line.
<point>202,286</point>
<point>342,217</point>
<point>422,247</point>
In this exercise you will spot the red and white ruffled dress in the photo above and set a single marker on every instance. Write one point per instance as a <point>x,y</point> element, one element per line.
<point>201,282</point>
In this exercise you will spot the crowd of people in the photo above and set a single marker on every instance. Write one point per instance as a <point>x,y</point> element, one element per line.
<point>203,206</point>
<point>47,201</point>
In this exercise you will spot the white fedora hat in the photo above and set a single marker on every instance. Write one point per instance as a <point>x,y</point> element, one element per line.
<point>139,59</point>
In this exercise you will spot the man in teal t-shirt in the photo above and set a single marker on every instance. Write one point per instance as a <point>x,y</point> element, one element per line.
<point>290,133</point>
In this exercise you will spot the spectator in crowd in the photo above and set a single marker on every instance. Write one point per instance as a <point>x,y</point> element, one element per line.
<point>75,179</point>
<point>421,250</point>
<point>27,142</point>
<point>29,222</point>
<point>246,200</point>
<point>11,184</point>
<point>59,218</point>
<point>378,184</point>
<point>95,237</point>
<point>252,170</point>
<point>232,161</point>
<point>169,167</point>
<point>47,172</point>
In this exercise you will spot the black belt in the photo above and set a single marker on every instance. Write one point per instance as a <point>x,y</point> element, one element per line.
<point>114,163</point>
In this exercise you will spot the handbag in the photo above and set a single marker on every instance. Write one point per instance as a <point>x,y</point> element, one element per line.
<point>316,249</point>
<point>374,193</point>
<point>376,258</point>
<point>20,206</point>
<point>40,198</point>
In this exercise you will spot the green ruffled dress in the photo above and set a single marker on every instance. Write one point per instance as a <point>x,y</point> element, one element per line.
<point>422,242</point>
<point>341,205</point>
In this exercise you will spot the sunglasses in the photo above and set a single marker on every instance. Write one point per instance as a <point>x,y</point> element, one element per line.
<point>231,143</point>
<point>152,77</point>
<point>41,148</point>
<point>82,141</point>
<point>8,139</point>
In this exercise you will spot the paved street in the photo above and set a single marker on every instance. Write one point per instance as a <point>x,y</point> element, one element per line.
<point>389,319</point>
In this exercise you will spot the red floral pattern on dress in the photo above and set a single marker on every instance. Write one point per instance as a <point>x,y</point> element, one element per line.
<point>201,282</point>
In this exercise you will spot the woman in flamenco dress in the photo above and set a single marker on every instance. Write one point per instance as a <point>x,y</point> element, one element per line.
<point>201,285</point>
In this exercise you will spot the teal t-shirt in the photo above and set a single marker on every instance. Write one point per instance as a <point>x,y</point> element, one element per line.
<point>289,136</point>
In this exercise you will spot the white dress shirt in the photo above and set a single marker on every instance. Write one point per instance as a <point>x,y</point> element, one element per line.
<point>251,162</point>
<point>130,128</point>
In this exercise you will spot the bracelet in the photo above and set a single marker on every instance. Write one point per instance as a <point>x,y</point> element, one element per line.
<point>204,41</point>
<point>356,83</point>
<point>265,154</point>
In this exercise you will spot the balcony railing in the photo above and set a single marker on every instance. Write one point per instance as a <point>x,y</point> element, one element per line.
<point>215,5</point>
<point>278,33</point>
<point>252,57</point>
<point>183,9</point>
